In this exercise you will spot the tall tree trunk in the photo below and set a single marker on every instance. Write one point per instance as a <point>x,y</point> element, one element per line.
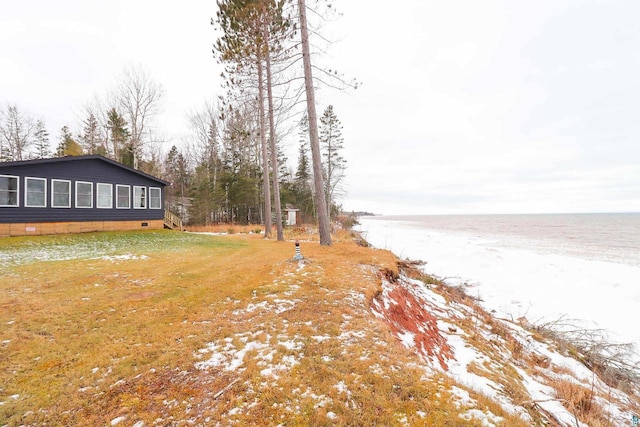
<point>321,204</point>
<point>329,175</point>
<point>272,142</point>
<point>265,156</point>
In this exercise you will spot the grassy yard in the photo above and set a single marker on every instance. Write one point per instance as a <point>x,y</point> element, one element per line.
<point>168,328</point>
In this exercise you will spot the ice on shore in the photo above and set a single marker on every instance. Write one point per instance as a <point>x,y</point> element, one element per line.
<point>518,281</point>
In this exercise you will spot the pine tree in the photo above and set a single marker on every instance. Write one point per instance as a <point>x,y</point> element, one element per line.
<point>90,138</point>
<point>176,171</point>
<point>41,144</point>
<point>67,145</point>
<point>253,32</point>
<point>303,174</point>
<point>119,135</point>
<point>302,188</point>
<point>332,145</point>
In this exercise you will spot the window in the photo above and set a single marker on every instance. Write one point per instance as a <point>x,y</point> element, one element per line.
<point>139,197</point>
<point>35,195</point>
<point>61,193</point>
<point>84,194</point>
<point>8,191</point>
<point>123,197</point>
<point>155,198</point>
<point>104,196</point>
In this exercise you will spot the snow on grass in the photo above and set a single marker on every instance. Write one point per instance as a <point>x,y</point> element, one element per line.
<point>480,357</point>
<point>89,246</point>
<point>544,396</point>
<point>117,420</point>
<point>487,419</point>
<point>124,257</point>
<point>407,339</point>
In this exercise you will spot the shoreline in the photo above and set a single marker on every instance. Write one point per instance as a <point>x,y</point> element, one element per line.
<point>516,282</point>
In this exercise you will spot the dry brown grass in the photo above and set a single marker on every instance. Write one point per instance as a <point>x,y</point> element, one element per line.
<point>581,402</point>
<point>86,341</point>
<point>226,228</point>
<point>89,340</point>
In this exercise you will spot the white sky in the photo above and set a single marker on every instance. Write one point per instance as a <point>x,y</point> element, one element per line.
<point>492,106</point>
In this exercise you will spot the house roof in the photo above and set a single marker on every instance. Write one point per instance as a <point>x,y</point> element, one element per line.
<point>81,158</point>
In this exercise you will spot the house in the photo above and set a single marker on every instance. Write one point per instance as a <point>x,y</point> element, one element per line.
<point>77,194</point>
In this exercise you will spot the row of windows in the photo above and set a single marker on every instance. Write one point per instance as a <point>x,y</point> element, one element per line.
<point>35,194</point>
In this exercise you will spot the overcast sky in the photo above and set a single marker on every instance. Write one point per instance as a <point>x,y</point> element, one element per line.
<point>492,106</point>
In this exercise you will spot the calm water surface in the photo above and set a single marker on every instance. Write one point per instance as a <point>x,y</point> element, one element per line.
<point>605,237</point>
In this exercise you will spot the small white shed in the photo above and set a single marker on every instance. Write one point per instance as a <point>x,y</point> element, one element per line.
<point>292,215</point>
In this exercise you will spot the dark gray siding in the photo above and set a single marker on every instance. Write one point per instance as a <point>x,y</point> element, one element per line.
<point>94,170</point>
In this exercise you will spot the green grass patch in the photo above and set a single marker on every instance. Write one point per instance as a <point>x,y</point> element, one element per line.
<point>25,250</point>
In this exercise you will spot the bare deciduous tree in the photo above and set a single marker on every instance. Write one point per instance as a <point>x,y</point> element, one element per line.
<point>204,146</point>
<point>138,98</point>
<point>16,133</point>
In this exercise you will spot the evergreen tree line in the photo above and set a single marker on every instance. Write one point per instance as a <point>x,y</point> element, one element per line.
<point>265,49</point>
<point>218,177</point>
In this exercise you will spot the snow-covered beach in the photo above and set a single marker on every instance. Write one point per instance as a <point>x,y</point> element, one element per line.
<point>518,276</point>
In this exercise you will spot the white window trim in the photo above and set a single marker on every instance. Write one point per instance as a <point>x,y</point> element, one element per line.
<point>159,197</point>
<point>26,191</point>
<point>128,187</point>
<point>146,197</point>
<point>98,185</point>
<point>17,205</point>
<point>53,194</point>
<point>84,207</point>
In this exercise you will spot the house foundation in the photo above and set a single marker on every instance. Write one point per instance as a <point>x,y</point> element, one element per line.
<point>43,228</point>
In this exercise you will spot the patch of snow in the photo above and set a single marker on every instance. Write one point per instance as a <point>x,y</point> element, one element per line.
<point>291,345</point>
<point>407,339</point>
<point>216,359</point>
<point>207,233</point>
<point>321,400</point>
<point>487,419</point>
<point>544,396</point>
<point>124,257</point>
<point>234,411</point>
<point>341,387</point>
<point>117,420</point>
<point>283,305</point>
<point>253,307</point>
<point>463,398</point>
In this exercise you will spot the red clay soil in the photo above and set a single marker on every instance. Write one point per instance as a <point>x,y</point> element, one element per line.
<point>403,312</point>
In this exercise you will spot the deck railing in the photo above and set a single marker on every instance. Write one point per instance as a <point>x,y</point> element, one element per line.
<point>171,220</point>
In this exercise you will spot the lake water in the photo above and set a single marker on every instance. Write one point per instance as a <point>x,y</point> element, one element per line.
<point>605,237</point>
<point>543,267</point>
